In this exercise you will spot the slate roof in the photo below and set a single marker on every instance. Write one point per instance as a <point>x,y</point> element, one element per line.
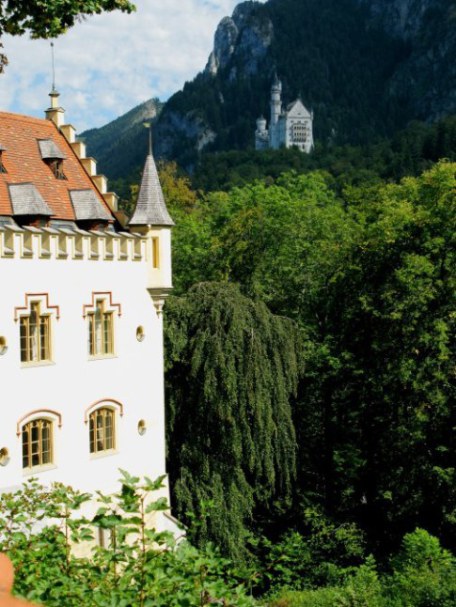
<point>151,207</point>
<point>26,200</point>
<point>49,150</point>
<point>20,137</point>
<point>87,206</point>
<point>291,105</point>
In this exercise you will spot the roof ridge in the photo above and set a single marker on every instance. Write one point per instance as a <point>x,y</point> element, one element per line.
<point>24,118</point>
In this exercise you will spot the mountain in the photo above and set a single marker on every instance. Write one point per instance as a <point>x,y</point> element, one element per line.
<point>121,146</point>
<point>366,68</point>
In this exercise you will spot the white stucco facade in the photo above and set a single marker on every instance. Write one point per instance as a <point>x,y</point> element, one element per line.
<point>100,291</point>
<point>69,387</point>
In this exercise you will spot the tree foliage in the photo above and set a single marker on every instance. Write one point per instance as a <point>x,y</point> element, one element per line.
<point>43,528</point>
<point>50,18</point>
<point>407,153</point>
<point>369,276</point>
<point>232,373</point>
<point>423,574</point>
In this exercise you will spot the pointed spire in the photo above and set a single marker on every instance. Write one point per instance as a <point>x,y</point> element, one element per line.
<point>276,83</point>
<point>150,208</point>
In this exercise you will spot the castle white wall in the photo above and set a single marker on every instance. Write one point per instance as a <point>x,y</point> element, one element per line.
<point>282,131</point>
<point>72,382</point>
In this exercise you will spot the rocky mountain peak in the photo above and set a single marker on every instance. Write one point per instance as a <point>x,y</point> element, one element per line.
<point>240,34</point>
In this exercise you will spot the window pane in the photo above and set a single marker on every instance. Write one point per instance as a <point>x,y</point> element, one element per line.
<point>24,339</point>
<point>102,430</point>
<point>101,331</point>
<point>109,430</point>
<point>92,435</point>
<point>25,447</point>
<point>35,342</point>
<point>37,443</point>
<point>46,443</point>
<point>107,317</point>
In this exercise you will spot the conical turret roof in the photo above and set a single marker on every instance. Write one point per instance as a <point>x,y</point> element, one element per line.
<point>151,207</point>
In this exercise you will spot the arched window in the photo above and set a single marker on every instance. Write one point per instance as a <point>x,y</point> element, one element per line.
<point>37,443</point>
<point>35,335</point>
<point>35,326</point>
<point>101,314</point>
<point>101,338</point>
<point>102,430</point>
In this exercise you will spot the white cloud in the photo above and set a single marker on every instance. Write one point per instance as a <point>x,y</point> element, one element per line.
<point>109,63</point>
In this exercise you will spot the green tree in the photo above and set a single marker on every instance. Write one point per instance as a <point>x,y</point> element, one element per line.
<point>232,373</point>
<point>377,398</point>
<point>50,18</point>
<point>41,528</point>
<point>370,278</point>
<point>424,573</point>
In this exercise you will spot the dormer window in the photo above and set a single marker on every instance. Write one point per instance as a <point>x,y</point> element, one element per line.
<point>56,166</point>
<point>52,156</point>
<point>2,166</point>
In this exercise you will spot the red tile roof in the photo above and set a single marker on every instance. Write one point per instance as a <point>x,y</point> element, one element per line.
<point>22,160</point>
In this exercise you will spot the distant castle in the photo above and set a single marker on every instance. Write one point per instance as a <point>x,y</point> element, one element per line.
<point>290,127</point>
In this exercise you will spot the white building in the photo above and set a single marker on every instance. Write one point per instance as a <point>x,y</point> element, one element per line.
<point>287,128</point>
<point>81,333</point>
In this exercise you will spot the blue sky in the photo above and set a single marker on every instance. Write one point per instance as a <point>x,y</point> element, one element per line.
<point>109,63</point>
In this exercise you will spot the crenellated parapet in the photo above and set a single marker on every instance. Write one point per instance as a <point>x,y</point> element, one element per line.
<point>30,242</point>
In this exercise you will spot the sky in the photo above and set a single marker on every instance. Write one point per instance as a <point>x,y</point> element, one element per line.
<point>110,63</point>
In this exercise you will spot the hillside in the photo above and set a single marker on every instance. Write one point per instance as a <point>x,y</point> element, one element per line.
<point>121,145</point>
<point>366,67</point>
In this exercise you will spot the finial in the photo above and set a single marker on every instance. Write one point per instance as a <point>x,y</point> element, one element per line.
<point>53,90</point>
<point>54,94</point>
<point>148,125</point>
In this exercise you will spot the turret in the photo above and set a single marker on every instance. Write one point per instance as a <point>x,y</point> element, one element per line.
<point>151,219</point>
<point>261,135</point>
<point>261,124</point>
<point>276,100</point>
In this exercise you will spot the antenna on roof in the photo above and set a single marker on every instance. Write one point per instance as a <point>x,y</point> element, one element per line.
<point>148,125</point>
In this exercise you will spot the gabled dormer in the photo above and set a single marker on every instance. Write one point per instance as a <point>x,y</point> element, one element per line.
<point>2,166</point>
<point>52,156</point>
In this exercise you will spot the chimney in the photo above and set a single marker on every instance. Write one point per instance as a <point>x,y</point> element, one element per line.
<point>55,112</point>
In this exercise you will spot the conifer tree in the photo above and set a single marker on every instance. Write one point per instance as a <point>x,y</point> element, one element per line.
<point>233,368</point>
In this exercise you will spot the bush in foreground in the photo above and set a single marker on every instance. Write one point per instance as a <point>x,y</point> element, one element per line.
<point>41,528</point>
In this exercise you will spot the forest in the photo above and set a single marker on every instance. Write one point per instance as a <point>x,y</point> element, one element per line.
<point>311,372</point>
<point>310,352</point>
<point>310,388</point>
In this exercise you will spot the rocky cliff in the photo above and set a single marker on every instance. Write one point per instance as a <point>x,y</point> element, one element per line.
<point>242,38</point>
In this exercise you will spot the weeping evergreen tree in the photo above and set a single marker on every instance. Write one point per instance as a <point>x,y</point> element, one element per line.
<point>233,369</point>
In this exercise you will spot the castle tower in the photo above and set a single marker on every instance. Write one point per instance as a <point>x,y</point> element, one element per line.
<point>276,100</point>
<point>261,134</point>
<point>276,110</point>
<point>152,220</point>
